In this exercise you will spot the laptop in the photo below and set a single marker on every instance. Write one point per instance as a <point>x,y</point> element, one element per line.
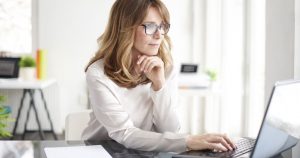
<point>279,131</point>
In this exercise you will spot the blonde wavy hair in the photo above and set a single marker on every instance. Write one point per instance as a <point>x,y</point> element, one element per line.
<point>116,43</point>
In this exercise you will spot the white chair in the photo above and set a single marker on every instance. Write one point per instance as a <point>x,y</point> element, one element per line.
<point>75,124</point>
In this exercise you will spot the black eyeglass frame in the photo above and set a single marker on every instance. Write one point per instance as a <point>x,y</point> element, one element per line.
<point>157,27</point>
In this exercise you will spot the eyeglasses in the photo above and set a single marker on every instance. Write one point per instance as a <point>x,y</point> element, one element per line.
<point>151,28</point>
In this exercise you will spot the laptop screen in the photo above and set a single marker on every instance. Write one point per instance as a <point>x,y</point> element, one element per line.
<point>285,109</point>
<point>281,126</point>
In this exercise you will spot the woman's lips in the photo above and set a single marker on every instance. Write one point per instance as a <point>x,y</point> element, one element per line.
<point>154,45</point>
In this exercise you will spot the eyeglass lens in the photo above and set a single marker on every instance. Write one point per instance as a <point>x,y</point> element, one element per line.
<point>151,28</point>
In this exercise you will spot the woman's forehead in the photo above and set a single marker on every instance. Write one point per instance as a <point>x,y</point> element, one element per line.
<point>153,15</point>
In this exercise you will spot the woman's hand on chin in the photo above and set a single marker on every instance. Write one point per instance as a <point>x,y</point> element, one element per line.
<point>153,68</point>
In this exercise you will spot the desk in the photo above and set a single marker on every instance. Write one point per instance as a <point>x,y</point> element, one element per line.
<point>30,88</point>
<point>115,149</point>
<point>199,92</point>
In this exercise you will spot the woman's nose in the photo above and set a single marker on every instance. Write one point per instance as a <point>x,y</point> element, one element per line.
<point>157,34</point>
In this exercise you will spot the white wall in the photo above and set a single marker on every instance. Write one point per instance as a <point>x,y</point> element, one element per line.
<point>297,39</point>
<point>280,30</point>
<point>296,150</point>
<point>181,28</point>
<point>68,30</point>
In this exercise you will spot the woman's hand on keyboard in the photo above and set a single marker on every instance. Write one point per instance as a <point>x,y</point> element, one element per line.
<point>214,142</point>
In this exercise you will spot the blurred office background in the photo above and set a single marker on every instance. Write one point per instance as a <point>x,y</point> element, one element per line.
<point>250,44</point>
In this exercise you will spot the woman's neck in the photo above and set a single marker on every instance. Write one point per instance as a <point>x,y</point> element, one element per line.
<point>135,54</point>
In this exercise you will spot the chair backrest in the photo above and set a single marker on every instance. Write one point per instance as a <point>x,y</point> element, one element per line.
<point>75,124</point>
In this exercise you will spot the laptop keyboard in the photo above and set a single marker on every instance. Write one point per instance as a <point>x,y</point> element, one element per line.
<point>244,145</point>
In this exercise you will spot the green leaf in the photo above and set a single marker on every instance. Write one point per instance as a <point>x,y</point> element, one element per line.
<point>4,119</point>
<point>27,61</point>
<point>212,74</point>
<point>2,99</point>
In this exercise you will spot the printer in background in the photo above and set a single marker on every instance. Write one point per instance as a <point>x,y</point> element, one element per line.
<point>190,78</point>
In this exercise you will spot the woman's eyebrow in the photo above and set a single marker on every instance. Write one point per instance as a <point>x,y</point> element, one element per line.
<point>152,22</point>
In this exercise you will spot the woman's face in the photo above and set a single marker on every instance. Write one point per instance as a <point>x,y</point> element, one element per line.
<point>148,44</point>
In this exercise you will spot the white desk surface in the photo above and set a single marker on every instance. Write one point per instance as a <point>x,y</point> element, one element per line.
<point>21,84</point>
<point>199,92</point>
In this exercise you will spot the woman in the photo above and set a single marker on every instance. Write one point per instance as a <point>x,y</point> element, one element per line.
<point>132,83</point>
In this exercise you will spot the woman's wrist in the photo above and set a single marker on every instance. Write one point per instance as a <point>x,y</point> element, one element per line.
<point>158,85</point>
<point>187,142</point>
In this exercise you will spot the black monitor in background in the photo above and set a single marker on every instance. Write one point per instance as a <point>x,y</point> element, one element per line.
<point>9,67</point>
<point>189,68</point>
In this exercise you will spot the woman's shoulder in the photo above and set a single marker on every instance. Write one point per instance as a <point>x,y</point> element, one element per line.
<point>96,70</point>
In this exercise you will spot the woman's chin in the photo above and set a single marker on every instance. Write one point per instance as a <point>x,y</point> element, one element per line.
<point>150,53</point>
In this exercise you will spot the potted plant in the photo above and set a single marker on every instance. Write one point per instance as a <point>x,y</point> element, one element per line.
<point>212,74</point>
<point>4,119</point>
<point>27,68</point>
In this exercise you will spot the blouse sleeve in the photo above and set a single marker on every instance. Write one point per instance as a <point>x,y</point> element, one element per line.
<point>111,114</point>
<point>165,104</point>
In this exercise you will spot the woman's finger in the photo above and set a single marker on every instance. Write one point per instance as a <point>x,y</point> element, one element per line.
<point>141,59</point>
<point>144,63</point>
<point>219,139</point>
<point>224,143</point>
<point>227,139</point>
<point>151,66</point>
<point>216,146</point>
<point>151,61</point>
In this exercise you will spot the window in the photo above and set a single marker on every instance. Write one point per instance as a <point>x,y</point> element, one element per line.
<point>15,26</point>
<point>229,37</point>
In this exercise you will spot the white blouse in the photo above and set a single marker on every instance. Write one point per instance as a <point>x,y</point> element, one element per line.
<point>139,118</point>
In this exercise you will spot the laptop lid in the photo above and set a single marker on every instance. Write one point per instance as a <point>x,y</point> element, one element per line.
<point>280,129</point>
